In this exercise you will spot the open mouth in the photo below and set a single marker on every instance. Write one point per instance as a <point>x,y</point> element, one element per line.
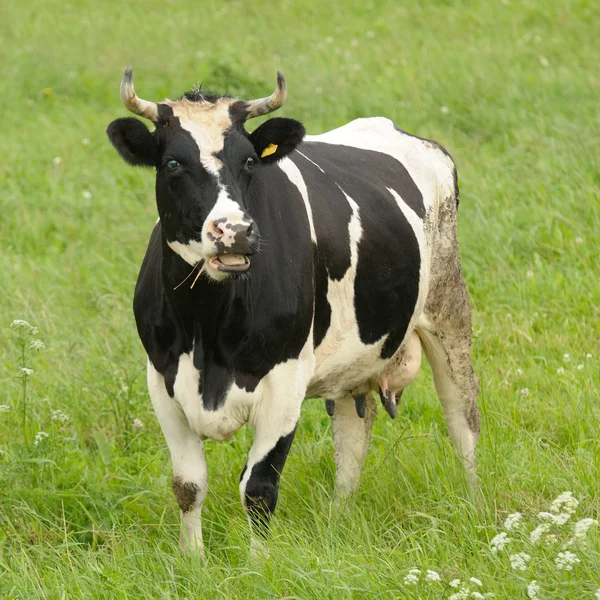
<point>230,263</point>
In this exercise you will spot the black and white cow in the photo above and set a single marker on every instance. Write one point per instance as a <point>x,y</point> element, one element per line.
<point>286,267</point>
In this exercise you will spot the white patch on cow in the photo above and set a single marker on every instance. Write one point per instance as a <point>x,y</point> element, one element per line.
<point>217,424</point>
<point>187,455</point>
<point>192,252</point>
<point>206,122</point>
<point>294,175</point>
<point>310,161</point>
<point>229,210</point>
<point>429,168</point>
<point>343,360</point>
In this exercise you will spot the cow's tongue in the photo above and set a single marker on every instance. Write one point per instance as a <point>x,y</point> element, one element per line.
<point>232,260</point>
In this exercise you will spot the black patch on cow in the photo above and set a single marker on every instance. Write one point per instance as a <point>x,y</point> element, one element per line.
<point>331,212</point>
<point>387,274</point>
<point>162,334</point>
<point>262,488</point>
<point>322,306</point>
<point>443,150</point>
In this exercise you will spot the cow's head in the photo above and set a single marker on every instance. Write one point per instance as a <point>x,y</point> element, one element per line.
<point>204,161</point>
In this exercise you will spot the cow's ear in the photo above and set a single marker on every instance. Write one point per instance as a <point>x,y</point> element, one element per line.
<point>133,142</point>
<point>276,138</point>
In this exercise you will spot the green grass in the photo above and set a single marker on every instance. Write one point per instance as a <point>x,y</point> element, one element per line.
<point>92,516</point>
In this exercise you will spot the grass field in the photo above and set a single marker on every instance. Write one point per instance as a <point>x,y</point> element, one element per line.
<point>512,89</point>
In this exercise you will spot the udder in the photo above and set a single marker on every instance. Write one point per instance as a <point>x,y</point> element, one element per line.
<point>399,372</point>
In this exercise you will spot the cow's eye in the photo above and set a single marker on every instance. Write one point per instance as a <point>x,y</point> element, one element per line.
<point>172,164</point>
<point>250,162</point>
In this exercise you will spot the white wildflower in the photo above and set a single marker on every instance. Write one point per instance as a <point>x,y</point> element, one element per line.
<point>565,502</point>
<point>39,437</point>
<point>544,61</point>
<point>566,357</point>
<point>524,392</point>
<point>59,415</point>
<point>546,515</point>
<point>536,535</point>
<point>561,518</point>
<point>57,161</point>
<point>354,43</point>
<point>329,40</point>
<point>137,423</point>
<point>4,408</point>
<point>519,372</point>
<point>597,594</point>
<point>532,590</point>
<point>454,583</point>
<point>370,34</point>
<point>411,579</point>
<point>86,194</point>
<point>476,595</point>
<point>580,367</point>
<point>432,575</point>
<point>550,539</point>
<point>583,526</point>
<point>579,240</point>
<point>588,356</point>
<point>21,325</point>
<point>475,581</point>
<point>444,110</point>
<point>513,521</point>
<point>460,595</point>
<point>566,560</point>
<point>85,142</point>
<point>25,372</point>
<point>560,371</point>
<point>529,274</point>
<point>519,561</point>
<point>499,542</point>
<point>37,345</point>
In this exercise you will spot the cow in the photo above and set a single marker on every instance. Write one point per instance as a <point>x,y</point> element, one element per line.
<point>285,266</point>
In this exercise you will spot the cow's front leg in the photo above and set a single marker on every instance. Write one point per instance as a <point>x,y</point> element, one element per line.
<point>190,480</point>
<point>259,482</point>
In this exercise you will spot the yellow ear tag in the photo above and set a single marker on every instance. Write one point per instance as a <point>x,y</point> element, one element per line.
<point>270,149</point>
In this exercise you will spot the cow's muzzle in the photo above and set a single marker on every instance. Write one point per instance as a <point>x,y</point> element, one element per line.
<point>230,263</point>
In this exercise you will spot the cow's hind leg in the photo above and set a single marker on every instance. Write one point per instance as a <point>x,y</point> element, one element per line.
<point>445,331</point>
<point>351,437</point>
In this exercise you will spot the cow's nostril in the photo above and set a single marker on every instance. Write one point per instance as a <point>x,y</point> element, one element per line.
<point>214,229</point>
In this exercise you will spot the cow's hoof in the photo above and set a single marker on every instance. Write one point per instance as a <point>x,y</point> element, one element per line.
<point>191,548</point>
<point>259,549</point>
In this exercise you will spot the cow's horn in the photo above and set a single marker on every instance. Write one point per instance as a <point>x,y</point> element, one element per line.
<point>131,100</point>
<point>264,106</point>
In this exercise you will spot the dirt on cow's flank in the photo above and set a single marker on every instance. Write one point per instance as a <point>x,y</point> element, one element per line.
<point>511,89</point>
